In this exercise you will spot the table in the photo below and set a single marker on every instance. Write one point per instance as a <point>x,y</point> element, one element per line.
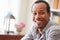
<point>10,37</point>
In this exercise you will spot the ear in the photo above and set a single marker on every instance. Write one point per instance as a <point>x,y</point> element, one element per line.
<point>49,14</point>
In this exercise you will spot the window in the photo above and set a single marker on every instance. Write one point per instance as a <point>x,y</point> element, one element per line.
<point>7,6</point>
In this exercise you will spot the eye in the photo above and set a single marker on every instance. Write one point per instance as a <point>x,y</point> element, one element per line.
<point>34,13</point>
<point>41,13</point>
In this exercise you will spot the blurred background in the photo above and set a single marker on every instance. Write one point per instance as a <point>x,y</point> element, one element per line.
<point>17,11</point>
<point>21,12</point>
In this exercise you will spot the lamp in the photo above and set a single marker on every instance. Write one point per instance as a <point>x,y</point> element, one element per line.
<point>8,17</point>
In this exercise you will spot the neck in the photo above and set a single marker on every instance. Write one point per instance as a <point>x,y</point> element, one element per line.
<point>40,30</point>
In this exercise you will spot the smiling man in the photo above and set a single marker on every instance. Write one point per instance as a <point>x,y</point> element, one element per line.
<point>44,28</point>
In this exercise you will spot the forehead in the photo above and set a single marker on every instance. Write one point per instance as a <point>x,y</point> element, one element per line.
<point>39,6</point>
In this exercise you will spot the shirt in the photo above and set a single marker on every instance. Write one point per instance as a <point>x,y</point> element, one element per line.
<point>47,34</point>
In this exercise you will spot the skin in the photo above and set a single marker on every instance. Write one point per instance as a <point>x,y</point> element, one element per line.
<point>40,15</point>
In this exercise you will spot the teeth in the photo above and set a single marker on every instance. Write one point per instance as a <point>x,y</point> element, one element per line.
<point>38,21</point>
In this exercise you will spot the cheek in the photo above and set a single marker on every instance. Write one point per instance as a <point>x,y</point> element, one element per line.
<point>34,18</point>
<point>47,18</point>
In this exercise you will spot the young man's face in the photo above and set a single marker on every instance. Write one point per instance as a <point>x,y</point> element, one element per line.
<point>40,14</point>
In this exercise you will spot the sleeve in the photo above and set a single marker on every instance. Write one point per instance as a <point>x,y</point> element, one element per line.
<point>28,36</point>
<point>54,35</point>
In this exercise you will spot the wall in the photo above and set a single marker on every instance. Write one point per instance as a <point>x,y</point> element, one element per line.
<point>25,14</point>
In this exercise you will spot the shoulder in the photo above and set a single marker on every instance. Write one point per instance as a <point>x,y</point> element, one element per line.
<point>31,31</point>
<point>29,34</point>
<point>53,28</point>
<point>54,31</point>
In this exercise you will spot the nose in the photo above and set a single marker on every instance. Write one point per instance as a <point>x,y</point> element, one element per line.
<point>38,15</point>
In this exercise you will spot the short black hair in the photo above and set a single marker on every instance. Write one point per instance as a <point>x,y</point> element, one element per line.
<point>47,5</point>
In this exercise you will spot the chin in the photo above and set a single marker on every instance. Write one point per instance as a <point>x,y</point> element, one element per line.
<point>40,26</point>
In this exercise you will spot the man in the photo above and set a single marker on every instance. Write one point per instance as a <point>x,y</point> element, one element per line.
<point>44,28</point>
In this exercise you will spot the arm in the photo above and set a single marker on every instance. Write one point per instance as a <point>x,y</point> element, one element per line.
<point>28,36</point>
